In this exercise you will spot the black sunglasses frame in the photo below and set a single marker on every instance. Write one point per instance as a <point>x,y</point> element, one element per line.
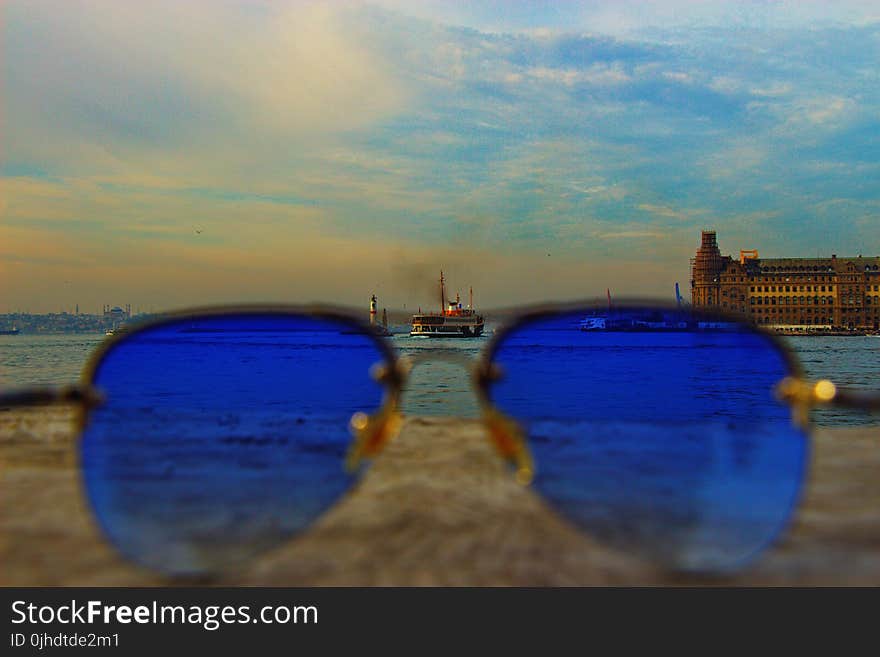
<point>372,432</point>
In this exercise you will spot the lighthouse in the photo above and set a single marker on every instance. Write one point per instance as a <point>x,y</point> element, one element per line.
<point>373,310</point>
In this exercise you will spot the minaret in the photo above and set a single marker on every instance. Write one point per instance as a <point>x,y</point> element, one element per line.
<point>373,310</point>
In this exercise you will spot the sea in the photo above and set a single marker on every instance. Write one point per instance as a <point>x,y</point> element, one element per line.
<point>440,385</point>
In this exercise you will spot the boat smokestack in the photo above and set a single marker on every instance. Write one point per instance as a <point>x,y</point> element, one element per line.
<point>373,310</point>
<point>471,299</point>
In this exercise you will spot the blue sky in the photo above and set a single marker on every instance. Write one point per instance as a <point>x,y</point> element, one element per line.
<point>187,153</point>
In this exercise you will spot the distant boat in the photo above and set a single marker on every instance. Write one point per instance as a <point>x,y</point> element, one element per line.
<point>10,331</point>
<point>593,324</point>
<point>636,321</point>
<point>451,322</point>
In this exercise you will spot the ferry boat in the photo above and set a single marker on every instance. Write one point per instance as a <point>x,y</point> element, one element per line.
<point>453,321</point>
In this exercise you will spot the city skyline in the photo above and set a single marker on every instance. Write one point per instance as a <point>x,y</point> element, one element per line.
<point>173,155</point>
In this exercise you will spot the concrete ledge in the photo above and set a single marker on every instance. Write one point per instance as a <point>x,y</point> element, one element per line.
<point>437,508</point>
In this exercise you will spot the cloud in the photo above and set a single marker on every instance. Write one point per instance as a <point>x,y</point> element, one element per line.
<point>597,74</point>
<point>315,146</point>
<point>824,111</point>
<point>629,235</point>
<point>671,213</point>
<point>185,89</point>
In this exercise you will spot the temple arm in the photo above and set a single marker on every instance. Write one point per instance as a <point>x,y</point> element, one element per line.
<point>825,393</point>
<point>866,401</point>
<point>76,394</point>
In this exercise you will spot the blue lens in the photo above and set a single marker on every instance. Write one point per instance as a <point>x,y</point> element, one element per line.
<point>222,436</point>
<point>657,431</point>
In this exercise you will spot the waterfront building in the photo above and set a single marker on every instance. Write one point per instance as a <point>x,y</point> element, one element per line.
<point>115,316</point>
<point>796,294</point>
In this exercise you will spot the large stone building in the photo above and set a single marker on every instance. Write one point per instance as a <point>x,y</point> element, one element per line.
<point>114,317</point>
<point>789,293</point>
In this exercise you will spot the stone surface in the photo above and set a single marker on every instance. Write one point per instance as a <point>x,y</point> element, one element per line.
<point>437,508</point>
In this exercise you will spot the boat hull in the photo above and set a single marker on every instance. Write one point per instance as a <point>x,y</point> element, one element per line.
<point>458,332</point>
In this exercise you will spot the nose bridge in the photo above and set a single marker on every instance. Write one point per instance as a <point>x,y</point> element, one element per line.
<point>504,432</point>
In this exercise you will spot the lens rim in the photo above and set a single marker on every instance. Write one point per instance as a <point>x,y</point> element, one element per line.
<point>391,381</point>
<point>486,371</point>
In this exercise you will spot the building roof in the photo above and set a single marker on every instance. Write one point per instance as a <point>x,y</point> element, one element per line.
<point>816,264</point>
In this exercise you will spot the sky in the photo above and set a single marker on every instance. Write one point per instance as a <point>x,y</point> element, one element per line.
<point>170,154</point>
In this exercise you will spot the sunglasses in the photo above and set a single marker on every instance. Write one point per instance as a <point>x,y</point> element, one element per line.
<point>209,436</point>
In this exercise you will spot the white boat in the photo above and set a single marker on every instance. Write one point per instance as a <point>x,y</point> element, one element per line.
<point>593,324</point>
<point>453,321</point>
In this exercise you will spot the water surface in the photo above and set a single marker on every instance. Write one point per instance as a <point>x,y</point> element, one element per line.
<point>443,388</point>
